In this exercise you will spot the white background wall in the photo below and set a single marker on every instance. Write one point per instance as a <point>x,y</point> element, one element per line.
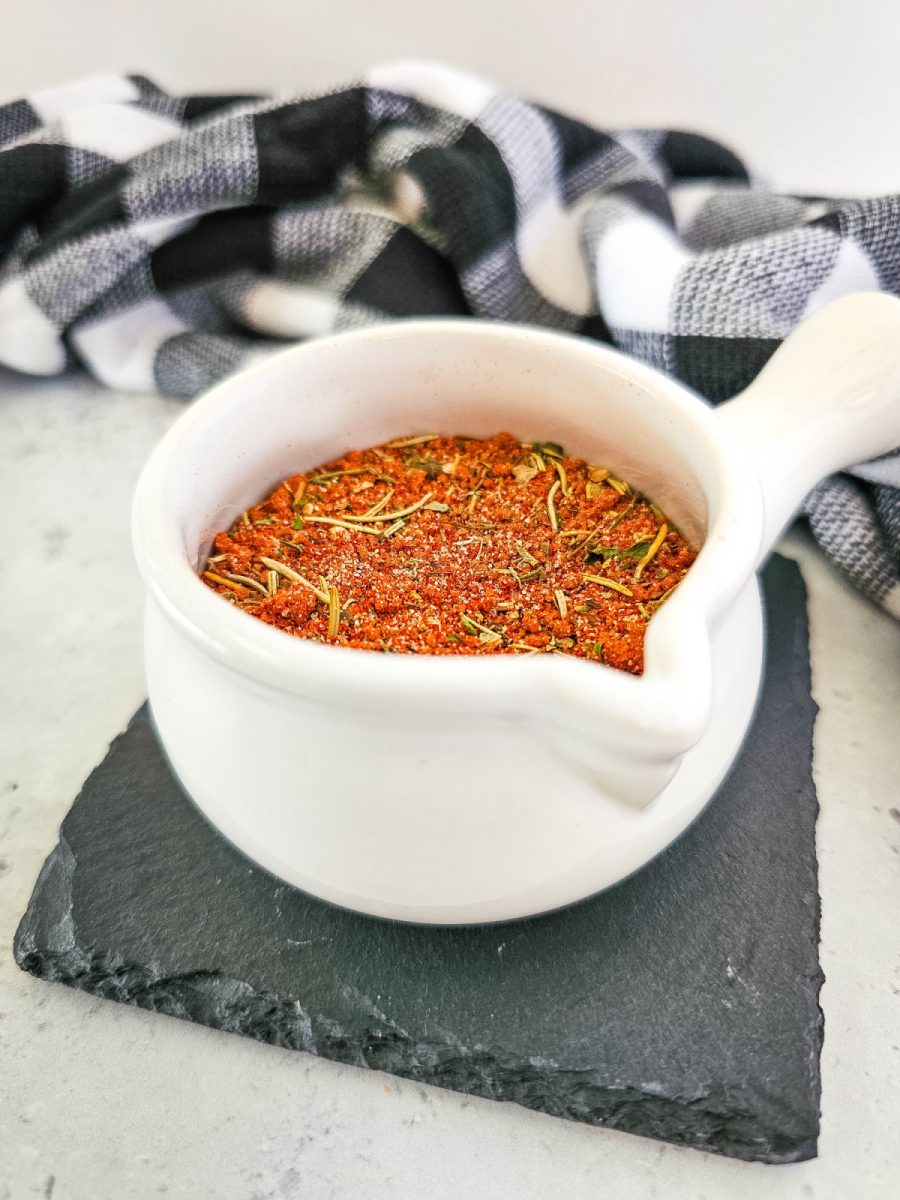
<point>807,90</point>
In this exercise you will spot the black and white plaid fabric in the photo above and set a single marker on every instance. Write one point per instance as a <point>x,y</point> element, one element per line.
<point>164,242</point>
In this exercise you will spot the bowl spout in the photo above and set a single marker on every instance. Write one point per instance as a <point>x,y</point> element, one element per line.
<point>624,733</point>
<point>634,779</point>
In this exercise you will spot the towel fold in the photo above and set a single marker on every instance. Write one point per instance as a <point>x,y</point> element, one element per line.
<point>163,242</point>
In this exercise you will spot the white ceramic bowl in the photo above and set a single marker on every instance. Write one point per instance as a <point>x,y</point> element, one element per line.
<point>463,789</point>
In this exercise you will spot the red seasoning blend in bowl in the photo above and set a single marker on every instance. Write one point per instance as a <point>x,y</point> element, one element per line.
<point>456,545</point>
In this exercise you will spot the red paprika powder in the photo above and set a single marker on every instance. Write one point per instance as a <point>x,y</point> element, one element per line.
<point>456,545</point>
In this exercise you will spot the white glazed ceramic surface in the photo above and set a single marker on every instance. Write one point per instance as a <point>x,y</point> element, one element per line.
<point>477,789</point>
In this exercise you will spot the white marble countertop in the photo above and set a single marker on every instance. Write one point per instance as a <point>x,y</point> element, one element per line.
<point>98,1100</point>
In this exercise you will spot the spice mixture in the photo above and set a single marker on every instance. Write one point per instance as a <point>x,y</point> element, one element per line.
<point>456,545</point>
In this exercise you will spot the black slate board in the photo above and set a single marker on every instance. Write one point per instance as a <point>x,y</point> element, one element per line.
<point>682,1004</point>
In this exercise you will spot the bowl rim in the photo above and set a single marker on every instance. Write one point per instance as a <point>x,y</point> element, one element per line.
<point>670,699</point>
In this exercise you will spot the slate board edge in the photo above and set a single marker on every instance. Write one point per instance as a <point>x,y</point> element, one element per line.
<point>212,998</point>
<point>228,1004</point>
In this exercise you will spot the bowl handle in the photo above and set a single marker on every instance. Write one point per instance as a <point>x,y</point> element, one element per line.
<point>828,398</point>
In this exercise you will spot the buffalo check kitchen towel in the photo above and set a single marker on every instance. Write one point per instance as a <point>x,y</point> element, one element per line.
<point>163,242</point>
